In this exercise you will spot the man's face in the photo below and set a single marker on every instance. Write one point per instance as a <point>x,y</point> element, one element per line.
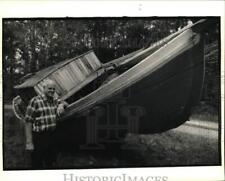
<point>49,90</point>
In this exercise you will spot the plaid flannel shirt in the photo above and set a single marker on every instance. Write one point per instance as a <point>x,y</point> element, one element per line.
<point>42,113</point>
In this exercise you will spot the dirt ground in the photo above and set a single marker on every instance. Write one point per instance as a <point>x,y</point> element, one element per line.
<point>195,143</point>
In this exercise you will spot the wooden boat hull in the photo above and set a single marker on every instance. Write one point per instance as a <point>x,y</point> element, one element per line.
<point>155,95</point>
<point>168,95</point>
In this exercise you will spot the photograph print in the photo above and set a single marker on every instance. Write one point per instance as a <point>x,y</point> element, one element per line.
<point>83,93</point>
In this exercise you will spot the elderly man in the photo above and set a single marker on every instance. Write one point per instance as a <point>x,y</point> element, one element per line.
<point>41,120</point>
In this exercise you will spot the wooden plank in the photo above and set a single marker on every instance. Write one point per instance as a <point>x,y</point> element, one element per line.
<point>59,88</point>
<point>90,78</point>
<point>81,67</point>
<point>94,61</point>
<point>73,74</point>
<point>80,76</point>
<point>46,72</point>
<point>38,90</point>
<point>123,58</point>
<point>91,62</point>
<point>64,80</point>
<point>182,43</point>
<point>59,81</point>
<point>68,77</point>
<point>41,86</point>
<point>87,64</point>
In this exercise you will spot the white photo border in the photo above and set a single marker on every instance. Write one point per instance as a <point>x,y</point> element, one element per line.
<point>62,9</point>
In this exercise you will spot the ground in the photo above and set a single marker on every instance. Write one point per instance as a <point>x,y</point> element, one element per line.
<point>194,143</point>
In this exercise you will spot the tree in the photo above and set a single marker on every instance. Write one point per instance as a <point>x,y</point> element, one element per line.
<point>33,44</point>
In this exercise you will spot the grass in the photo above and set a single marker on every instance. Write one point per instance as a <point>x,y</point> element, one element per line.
<point>171,148</point>
<point>13,143</point>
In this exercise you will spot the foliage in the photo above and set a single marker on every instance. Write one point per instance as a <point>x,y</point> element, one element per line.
<point>32,44</point>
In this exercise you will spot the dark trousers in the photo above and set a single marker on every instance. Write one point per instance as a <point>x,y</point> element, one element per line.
<point>45,150</point>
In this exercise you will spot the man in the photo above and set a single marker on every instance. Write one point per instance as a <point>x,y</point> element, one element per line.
<point>40,125</point>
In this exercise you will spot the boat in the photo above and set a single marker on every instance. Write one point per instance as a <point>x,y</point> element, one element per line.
<point>148,91</point>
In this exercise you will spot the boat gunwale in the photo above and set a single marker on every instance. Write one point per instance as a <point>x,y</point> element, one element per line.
<point>123,86</point>
<point>139,53</point>
<point>157,45</point>
<point>162,42</point>
<point>52,71</point>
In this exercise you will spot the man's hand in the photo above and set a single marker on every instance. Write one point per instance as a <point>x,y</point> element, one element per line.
<point>60,109</point>
<point>29,146</point>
